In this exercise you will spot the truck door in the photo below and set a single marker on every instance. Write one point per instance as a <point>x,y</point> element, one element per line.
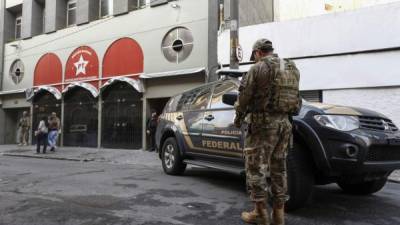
<point>220,136</point>
<point>197,103</point>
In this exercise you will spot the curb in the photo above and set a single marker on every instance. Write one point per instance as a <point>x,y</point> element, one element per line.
<point>47,157</point>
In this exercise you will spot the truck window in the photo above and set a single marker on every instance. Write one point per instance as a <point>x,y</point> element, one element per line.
<point>219,91</point>
<point>201,99</point>
<point>172,105</point>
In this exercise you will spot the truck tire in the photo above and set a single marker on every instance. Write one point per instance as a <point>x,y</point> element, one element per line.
<point>300,177</point>
<point>171,158</point>
<point>362,188</point>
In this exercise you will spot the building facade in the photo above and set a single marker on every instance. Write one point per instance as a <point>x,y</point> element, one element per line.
<point>104,65</point>
<point>101,65</point>
<point>347,58</point>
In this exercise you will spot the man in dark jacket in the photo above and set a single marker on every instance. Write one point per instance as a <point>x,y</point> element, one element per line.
<point>151,130</point>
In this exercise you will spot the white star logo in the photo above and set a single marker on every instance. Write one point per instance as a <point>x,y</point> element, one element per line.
<point>81,66</point>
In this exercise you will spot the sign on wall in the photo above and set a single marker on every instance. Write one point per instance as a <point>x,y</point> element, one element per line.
<point>83,64</point>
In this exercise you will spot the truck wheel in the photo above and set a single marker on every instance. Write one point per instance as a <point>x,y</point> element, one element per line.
<point>171,158</point>
<point>300,177</point>
<point>362,188</point>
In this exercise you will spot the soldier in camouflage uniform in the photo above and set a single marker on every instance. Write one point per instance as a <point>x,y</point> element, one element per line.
<point>24,125</point>
<point>267,96</point>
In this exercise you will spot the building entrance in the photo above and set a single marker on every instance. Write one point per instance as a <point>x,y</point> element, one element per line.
<point>80,118</point>
<point>121,117</point>
<point>157,104</point>
<point>11,126</point>
<point>44,103</point>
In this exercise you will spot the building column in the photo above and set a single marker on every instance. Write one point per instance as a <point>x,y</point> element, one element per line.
<point>30,134</point>
<point>144,124</point>
<point>2,34</point>
<point>120,7</point>
<point>56,15</point>
<point>212,64</point>
<point>86,11</point>
<point>32,19</point>
<point>62,122</point>
<point>2,124</point>
<point>99,121</point>
<point>276,12</point>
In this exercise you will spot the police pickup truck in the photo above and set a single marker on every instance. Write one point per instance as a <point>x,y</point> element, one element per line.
<point>356,148</point>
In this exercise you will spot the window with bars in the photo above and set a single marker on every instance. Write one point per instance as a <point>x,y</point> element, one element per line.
<point>71,12</point>
<point>18,24</point>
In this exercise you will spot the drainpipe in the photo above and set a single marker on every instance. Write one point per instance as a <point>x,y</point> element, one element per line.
<point>2,8</point>
<point>234,33</point>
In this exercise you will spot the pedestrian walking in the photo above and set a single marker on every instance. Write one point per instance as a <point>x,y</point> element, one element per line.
<point>54,130</point>
<point>41,135</point>
<point>151,130</point>
<point>23,125</point>
<point>268,96</point>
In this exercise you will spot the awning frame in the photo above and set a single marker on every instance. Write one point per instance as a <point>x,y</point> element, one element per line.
<point>32,92</point>
<point>87,86</point>
<point>173,73</point>
<point>135,83</point>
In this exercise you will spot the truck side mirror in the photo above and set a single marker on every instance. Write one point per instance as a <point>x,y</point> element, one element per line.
<point>230,98</point>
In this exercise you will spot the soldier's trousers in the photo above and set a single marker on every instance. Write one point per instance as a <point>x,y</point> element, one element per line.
<point>265,156</point>
<point>23,135</point>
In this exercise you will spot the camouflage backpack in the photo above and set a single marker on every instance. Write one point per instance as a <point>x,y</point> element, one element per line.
<point>284,93</point>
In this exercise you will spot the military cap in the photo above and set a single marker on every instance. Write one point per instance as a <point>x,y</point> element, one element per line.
<point>263,45</point>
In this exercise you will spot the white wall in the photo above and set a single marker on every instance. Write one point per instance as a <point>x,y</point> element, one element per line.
<point>383,100</point>
<point>350,71</point>
<point>373,28</point>
<point>295,9</point>
<point>365,29</point>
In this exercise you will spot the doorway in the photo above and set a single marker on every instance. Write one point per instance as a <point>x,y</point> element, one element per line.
<point>12,117</point>
<point>157,104</point>
<point>80,118</point>
<point>121,117</point>
<point>44,103</point>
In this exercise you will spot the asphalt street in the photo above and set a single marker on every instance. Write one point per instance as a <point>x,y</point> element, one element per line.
<point>50,192</point>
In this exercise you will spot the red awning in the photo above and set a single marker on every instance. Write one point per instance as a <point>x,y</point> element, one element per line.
<point>123,57</point>
<point>48,70</point>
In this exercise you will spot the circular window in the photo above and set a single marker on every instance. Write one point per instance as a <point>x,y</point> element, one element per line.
<point>17,71</point>
<point>177,44</point>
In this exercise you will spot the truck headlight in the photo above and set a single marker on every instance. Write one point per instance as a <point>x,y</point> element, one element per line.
<point>342,123</point>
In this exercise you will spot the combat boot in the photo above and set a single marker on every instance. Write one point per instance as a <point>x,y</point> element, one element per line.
<point>278,214</point>
<point>258,216</point>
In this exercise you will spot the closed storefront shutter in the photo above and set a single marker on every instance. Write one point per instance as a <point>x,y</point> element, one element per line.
<point>312,96</point>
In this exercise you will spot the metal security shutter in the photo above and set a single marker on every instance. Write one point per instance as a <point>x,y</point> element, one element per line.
<point>312,96</point>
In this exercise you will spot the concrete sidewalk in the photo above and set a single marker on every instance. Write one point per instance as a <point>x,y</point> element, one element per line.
<point>117,156</point>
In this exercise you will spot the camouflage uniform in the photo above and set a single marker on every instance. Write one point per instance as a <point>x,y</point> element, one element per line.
<point>267,138</point>
<point>24,124</point>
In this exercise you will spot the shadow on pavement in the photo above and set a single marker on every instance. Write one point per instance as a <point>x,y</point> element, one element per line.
<point>331,205</point>
<point>219,178</point>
